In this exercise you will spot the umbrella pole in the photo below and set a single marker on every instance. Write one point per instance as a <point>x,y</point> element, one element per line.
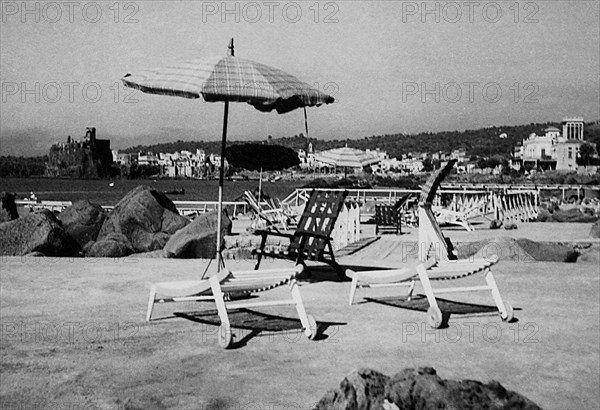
<point>221,182</point>
<point>259,187</point>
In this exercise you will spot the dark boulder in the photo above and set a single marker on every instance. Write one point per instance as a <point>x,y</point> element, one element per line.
<point>8,211</point>
<point>146,217</point>
<point>361,389</point>
<point>198,239</point>
<point>419,389</point>
<point>112,246</point>
<point>37,232</point>
<point>423,389</point>
<point>83,221</point>
<point>571,215</point>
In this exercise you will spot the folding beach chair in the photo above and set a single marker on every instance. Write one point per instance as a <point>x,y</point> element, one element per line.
<point>437,261</point>
<point>312,238</point>
<point>389,217</point>
<point>226,284</point>
<point>274,218</point>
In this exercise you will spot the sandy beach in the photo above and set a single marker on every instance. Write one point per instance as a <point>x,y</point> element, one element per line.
<point>73,334</point>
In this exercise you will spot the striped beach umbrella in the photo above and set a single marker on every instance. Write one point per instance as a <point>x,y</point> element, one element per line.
<point>229,79</point>
<point>347,157</point>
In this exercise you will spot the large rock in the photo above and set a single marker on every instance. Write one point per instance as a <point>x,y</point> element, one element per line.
<point>419,389</point>
<point>571,215</point>
<point>37,232</point>
<point>595,230</point>
<point>8,211</point>
<point>114,245</point>
<point>423,389</point>
<point>146,217</point>
<point>83,221</point>
<point>198,239</point>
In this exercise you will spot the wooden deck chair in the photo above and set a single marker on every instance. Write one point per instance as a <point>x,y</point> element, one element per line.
<point>252,281</point>
<point>433,242</point>
<point>437,261</point>
<point>180,291</point>
<point>385,278</point>
<point>389,217</point>
<point>274,218</point>
<point>449,217</point>
<point>312,238</point>
<point>225,283</point>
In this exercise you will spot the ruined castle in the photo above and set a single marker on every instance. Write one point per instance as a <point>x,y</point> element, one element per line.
<point>88,158</point>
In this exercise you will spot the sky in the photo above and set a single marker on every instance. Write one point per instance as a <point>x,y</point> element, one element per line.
<point>392,66</point>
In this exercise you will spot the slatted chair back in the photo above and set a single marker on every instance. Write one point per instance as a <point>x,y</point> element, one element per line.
<point>319,216</point>
<point>432,242</point>
<point>387,217</point>
<point>430,188</point>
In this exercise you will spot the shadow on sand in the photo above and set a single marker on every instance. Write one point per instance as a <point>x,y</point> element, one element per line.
<point>248,324</point>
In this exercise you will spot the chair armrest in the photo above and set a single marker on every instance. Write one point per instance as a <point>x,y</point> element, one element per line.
<point>263,233</point>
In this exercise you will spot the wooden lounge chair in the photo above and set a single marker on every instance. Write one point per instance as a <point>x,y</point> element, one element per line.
<point>274,218</point>
<point>225,284</point>
<point>252,281</point>
<point>437,261</point>
<point>389,217</point>
<point>312,238</point>
<point>181,291</point>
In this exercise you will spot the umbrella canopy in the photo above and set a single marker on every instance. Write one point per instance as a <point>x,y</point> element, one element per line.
<point>347,157</point>
<point>229,79</point>
<point>233,79</point>
<point>261,157</point>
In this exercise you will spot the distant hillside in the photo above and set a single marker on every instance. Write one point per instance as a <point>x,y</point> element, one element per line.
<point>482,142</point>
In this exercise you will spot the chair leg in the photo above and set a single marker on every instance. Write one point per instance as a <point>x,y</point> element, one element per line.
<point>263,242</point>
<point>434,314</point>
<point>151,302</point>
<point>491,282</point>
<point>353,287</point>
<point>411,289</point>
<point>258,259</point>
<point>295,290</point>
<point>225,335</point>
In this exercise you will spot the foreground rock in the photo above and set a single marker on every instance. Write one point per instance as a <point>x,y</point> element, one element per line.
<point>37,232</point>
<point>83,221</point>
<point>419,389</point>
<point>198,239</point>
<point>146,217</point>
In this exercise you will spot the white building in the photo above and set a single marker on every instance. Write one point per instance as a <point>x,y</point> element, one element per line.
<point>553,150</point>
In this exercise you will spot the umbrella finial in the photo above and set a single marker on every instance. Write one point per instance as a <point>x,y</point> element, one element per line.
<point>231,51</point>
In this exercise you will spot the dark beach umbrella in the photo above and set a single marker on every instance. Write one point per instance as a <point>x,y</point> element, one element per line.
<point>261,157</point>
<point>225,79</point>
<point>255,157</point>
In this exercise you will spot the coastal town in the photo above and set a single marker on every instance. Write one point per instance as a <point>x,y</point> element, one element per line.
<point>554,149</point>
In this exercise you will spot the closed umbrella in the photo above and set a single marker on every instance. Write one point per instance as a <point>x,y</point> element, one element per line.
<point>225,79</point>
<point>347,157</point>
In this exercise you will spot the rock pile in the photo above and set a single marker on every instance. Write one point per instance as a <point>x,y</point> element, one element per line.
<point>142,221</point>
<point>40,233</point>
<point>419,389</point>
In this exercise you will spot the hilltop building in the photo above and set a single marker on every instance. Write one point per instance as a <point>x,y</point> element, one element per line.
<point>555,149</point>
<point>89,158</point>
